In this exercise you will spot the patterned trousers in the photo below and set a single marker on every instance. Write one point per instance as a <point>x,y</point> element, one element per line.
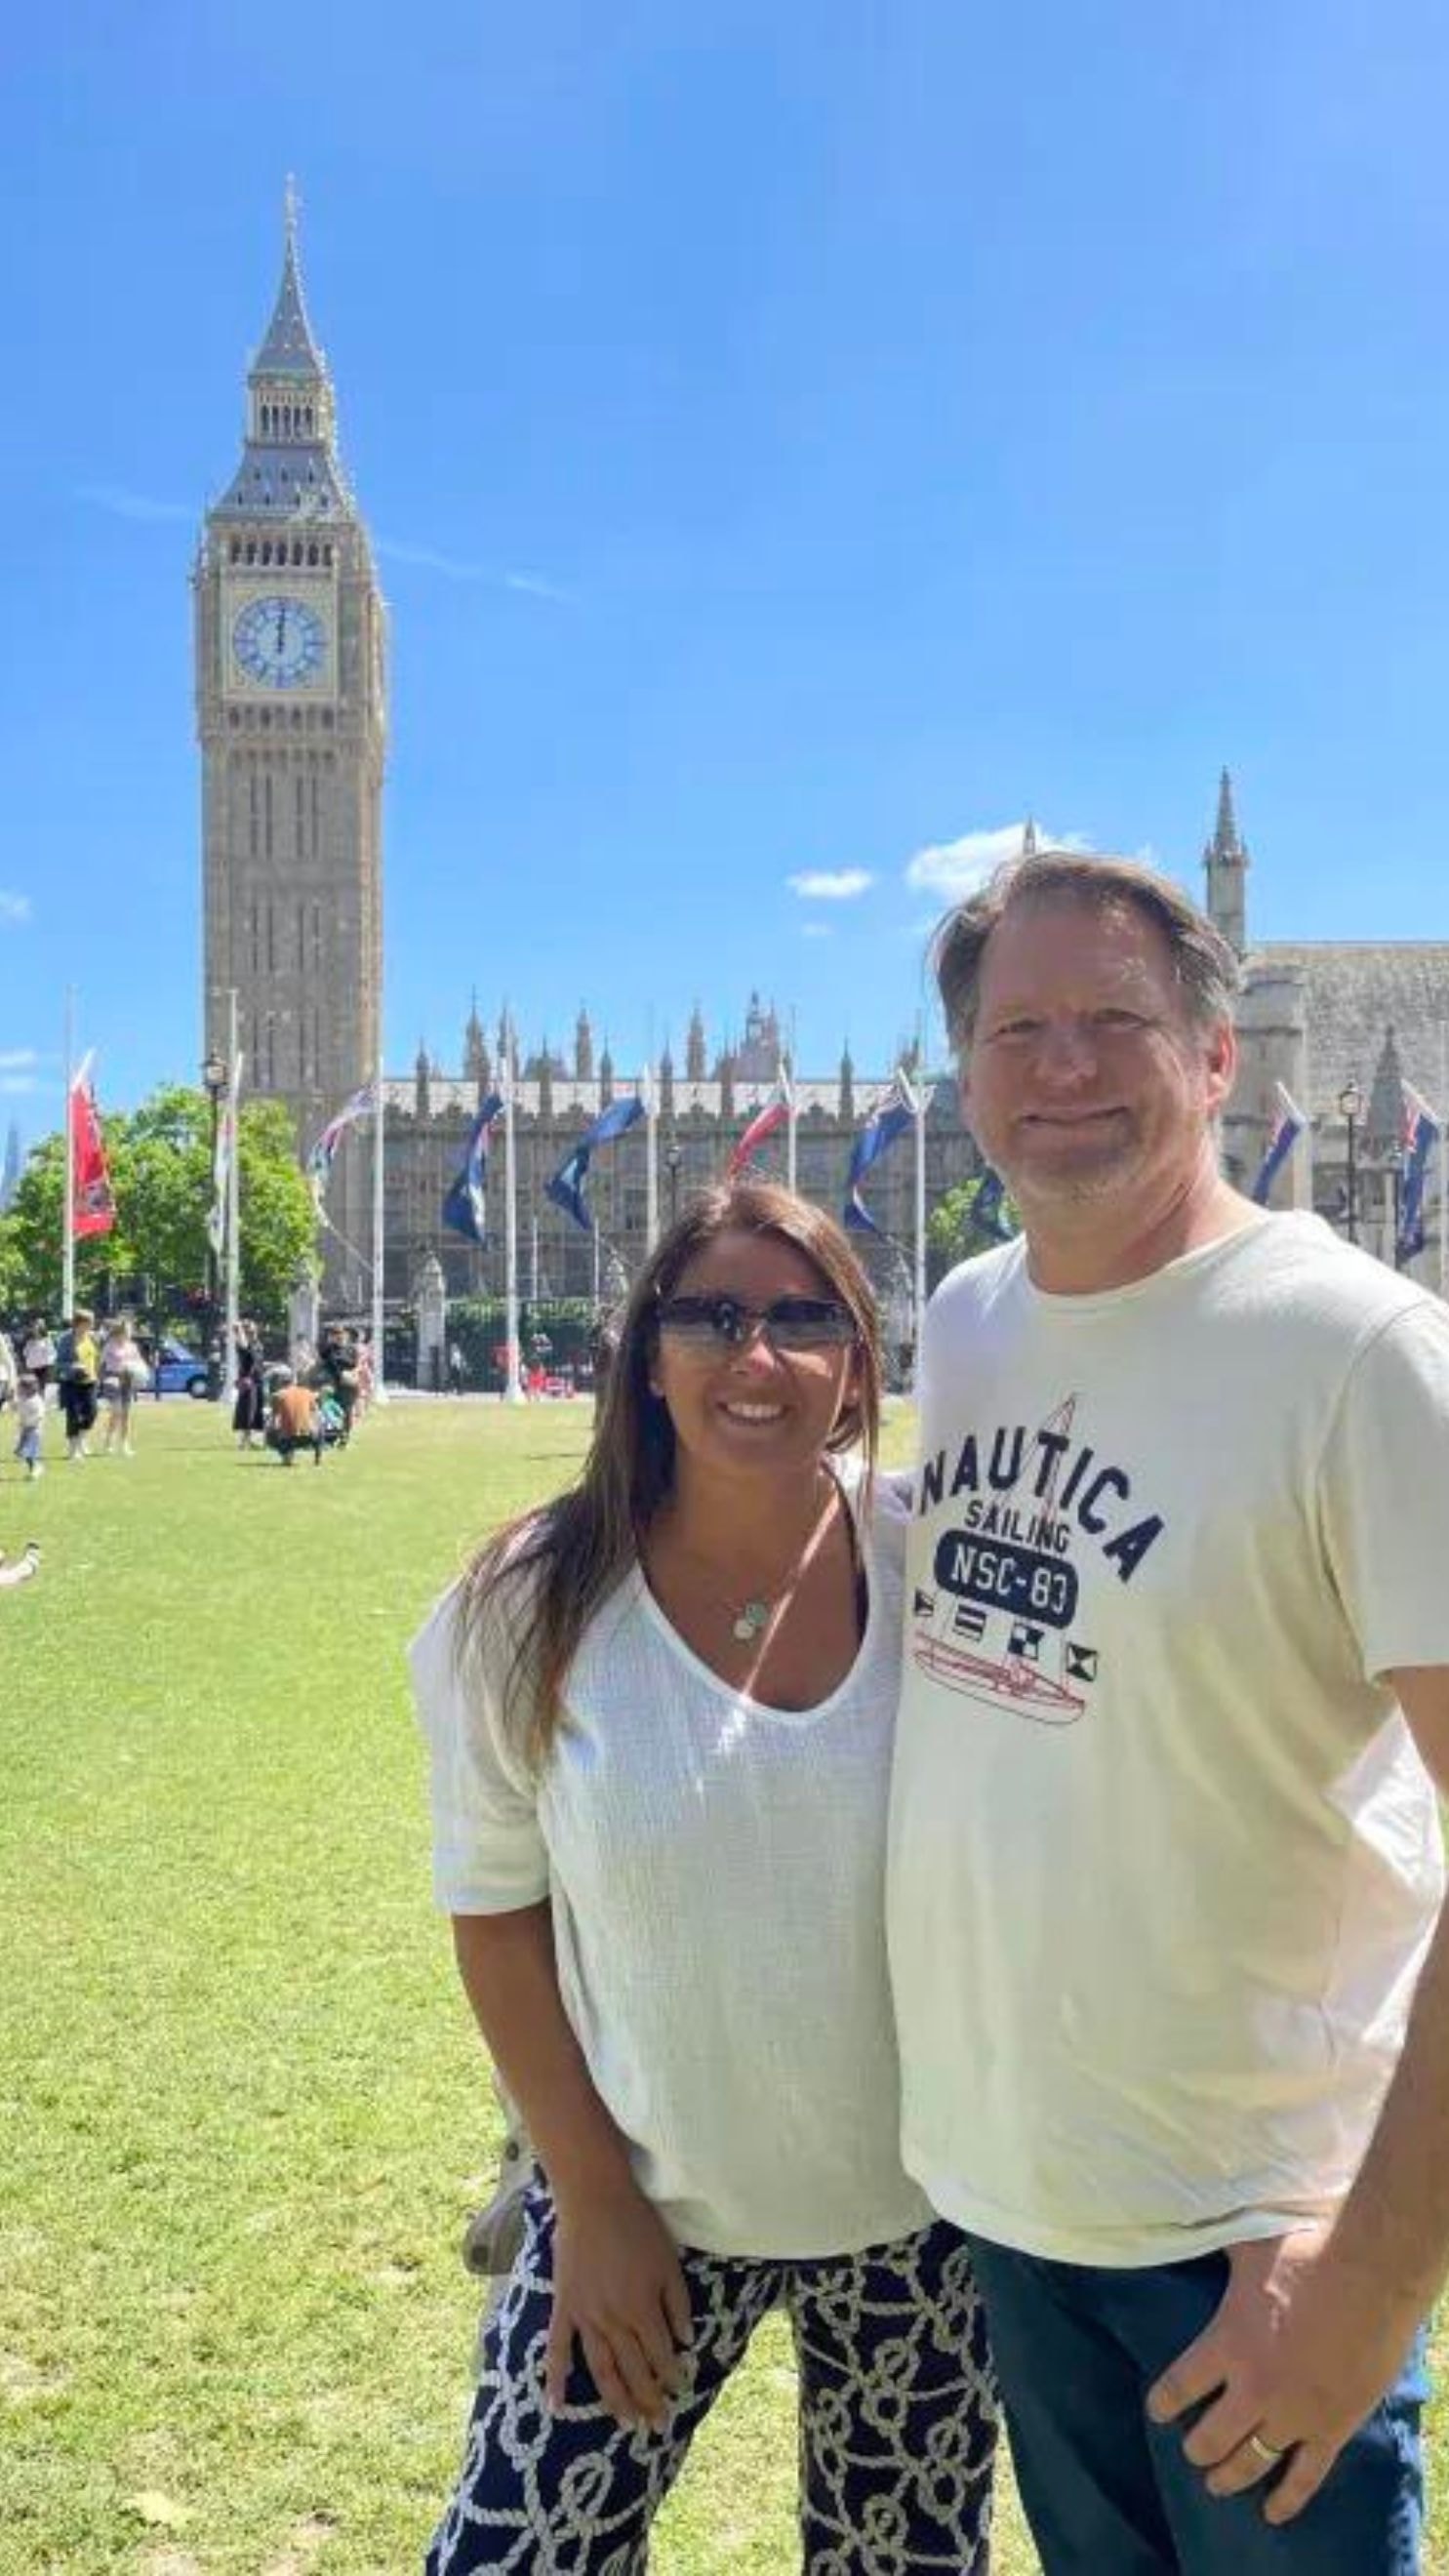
<point>897,2418</point>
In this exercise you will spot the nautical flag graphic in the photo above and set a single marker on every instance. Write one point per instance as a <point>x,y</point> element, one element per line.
<point>320,1160</point>
<point>970,1620</point>
<point>1422,1131</point>
<point>889,1120</point>
<point>91,1199</point>
<point>924,1605</point>
<point>766,1122</point>
<point>1025,1642</point>
<point>1288,1125</point>
<point>566,1189</point>
<point>1081,1663</point>
<point>463,1202</point>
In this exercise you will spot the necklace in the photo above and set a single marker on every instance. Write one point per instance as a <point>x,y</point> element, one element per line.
<point>749,1619</point>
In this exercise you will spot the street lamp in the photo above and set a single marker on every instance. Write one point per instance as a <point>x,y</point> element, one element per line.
<point>1351,1104</point>
<point>213,1075</point>
<point>673,1158</point>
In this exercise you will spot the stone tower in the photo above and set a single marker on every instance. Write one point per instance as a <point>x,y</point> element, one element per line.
<point>291,704</point>
<point>1225,866</point>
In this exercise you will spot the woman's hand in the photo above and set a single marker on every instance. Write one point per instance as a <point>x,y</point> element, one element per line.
<point>619,2288</point>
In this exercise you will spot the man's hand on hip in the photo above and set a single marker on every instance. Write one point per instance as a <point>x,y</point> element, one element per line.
<point>1299,2353</point>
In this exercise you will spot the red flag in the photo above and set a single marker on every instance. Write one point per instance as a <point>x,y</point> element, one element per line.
<point>95,1208</point>
<point>762,1126</point>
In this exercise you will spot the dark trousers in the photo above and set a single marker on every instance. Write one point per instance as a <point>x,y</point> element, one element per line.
<point>897,2418</point>
<point>1107,2493</point>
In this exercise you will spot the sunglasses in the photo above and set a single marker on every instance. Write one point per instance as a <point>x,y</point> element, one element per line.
<point>789,1324</point>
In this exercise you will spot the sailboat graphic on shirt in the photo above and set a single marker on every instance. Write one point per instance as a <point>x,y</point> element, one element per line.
<point>993,1624</point>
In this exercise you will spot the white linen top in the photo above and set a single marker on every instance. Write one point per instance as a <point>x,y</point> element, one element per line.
<point>716,1874</point>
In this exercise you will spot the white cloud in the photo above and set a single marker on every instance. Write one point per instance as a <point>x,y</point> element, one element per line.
<point>18,1059</point>
<point>830,885</point>
<point>134,505</point>
<point>954,869</point>
<point>817,929</point>
<point>15,1083</point>
<point>13,907</point>
<point>530,585</point>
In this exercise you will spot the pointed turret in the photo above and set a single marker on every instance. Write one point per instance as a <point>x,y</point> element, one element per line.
<point>583,1048</point>
<point>694,1055</point>
<point>290,467</point>
<point>606,1077</point>
<point>666,1081</point>
<point>1029,843</point>
<point>1384,1123</point>
<point>847,1086</point>
<point>476,1067</point>
<point>1225,865</point>
<point>423,1083</point>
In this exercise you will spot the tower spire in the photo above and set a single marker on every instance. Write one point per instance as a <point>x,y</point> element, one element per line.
<point>1225,865</point>
<point>289,348</point>
<point>1028,838</point>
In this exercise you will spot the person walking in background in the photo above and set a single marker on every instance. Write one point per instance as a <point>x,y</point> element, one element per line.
<point>78,1368</point>
<point>1167,1933</point>
<point>37,1353</point>
<point>30,1426</point>
<point>123,1374</point>
<point>660,1715</point>
<point>455,1368</point>
<point>249,1407</point>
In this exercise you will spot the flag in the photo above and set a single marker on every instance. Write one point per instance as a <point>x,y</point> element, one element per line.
<point>566,1189</point>
<point>463,1205</point>
<point>1422,1131</point>
<point>1288,1125</point>
<point>91,1199</point>
<point>221,1161</point>
<point>766,1122</point>
<point>319,1161</point>
<point>988,1208</point>
<point>888,1120</point>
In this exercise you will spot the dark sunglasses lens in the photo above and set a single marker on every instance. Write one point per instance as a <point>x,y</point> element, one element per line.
<point>701,1321</point>
<point>808,1323</point>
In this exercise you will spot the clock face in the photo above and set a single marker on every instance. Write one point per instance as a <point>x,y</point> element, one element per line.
<point>280,642</point>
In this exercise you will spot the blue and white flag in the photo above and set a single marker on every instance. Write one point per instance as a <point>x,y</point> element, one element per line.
<point>320,1160</point>
<point>566,1189</point>
<point>890,1119</point>
<point>1288,1125</point>
<point>464,1208</point>
<point>1422,1131</point>
<point>988,1208</point>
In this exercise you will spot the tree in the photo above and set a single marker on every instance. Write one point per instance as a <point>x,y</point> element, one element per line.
<point>965,1222</point>
<point>160,1162</point>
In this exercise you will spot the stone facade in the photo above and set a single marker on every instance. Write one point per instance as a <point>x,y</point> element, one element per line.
<point>1322,1016</point>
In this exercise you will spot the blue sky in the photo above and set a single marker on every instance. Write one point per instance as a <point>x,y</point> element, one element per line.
<point>796,439</point>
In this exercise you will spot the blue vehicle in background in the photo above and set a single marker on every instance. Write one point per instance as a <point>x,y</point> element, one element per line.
<point>178,1371</point>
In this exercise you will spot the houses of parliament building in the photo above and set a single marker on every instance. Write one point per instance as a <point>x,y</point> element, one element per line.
<point>292,698</point>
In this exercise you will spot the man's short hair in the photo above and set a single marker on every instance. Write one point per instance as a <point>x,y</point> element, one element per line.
<point>1205,966</point>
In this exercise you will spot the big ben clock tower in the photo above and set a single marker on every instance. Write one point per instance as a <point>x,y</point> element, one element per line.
<point>291,713</point>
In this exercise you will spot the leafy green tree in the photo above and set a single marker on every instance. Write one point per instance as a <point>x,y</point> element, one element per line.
<point>160,1163</point>
<point>955,1231</point>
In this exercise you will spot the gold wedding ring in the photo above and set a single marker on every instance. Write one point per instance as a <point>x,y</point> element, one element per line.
<point>1264,2451</point>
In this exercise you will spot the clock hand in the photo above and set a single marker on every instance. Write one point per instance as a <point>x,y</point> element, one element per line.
<point>281,625</point>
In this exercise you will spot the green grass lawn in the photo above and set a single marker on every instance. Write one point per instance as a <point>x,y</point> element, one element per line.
<point>243,2112</point>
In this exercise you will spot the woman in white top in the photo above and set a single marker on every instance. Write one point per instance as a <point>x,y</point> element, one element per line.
<point>660,1712</point>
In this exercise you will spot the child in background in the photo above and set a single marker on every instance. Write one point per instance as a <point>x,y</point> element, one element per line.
<point>30,1426</point>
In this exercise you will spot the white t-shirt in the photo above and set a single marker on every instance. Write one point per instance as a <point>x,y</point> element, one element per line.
<point>1164,1858</point>
<point>716,1873</point>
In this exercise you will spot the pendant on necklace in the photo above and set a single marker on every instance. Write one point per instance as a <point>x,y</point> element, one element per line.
<point>752,1620</point>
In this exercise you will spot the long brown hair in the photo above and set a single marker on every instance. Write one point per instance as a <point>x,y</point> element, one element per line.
<point>549,1571</point>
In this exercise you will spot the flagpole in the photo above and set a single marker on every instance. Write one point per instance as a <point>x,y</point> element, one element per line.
<point>920,1283</point>
<point>67,1268</point>
<point>233,1207</point>
<point>513,1389</point>
<point>1443,1108</point>
<point>791,1182</point>
<point>379,1247</point>
<point>651,1174</point>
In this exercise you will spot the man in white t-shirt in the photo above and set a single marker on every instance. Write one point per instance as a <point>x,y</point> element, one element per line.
<point>1171,1976</point>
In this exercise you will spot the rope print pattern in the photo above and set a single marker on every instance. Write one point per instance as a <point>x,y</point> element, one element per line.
<point>897,2419</point>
